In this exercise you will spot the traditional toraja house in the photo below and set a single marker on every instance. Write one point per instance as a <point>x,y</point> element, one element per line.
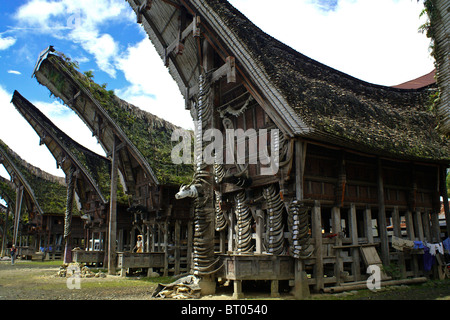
<point>140,146</point>
<point>39,207</point>
<point>87,177</point>
<point>353,156</point>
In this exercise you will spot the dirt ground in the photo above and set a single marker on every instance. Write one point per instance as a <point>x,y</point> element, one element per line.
<point>32,280</point>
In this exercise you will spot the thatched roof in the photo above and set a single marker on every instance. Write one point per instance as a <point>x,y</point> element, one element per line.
<point>44,193</point>
<point>147,137</point>
<point>94,170</point>
<point>304,97</point>
<point>337,106</point>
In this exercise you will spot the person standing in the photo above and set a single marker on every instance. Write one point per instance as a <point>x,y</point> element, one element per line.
<point>139,245</point>
<point>13,254</point>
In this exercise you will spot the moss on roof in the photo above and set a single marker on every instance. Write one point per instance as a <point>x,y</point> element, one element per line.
<point>338,106</point>
<point>150,134</point>
<point>49,190</point>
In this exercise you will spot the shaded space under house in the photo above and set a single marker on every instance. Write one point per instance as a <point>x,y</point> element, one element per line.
<point>139,146</point>
<point>38,208</point>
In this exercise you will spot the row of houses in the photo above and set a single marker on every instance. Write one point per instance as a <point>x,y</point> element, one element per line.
<point>346,164</point>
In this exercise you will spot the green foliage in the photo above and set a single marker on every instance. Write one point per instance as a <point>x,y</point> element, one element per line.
<point>393,270</point>
<point>150,135</point>
<point>50,195</point>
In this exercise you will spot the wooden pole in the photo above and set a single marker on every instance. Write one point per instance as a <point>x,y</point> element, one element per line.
<point>113,212</point>
<point>444,194</point>
<point>5,231</point>
<point>398,233</point>
<point>382,217</point>
<point>19,199</point>
<point>317,234</point>
<point>337,229</point>
<point>68,216</point>
<point>354,237</point>
<point>301,288</point>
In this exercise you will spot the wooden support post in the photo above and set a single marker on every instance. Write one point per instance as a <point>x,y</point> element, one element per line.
<point>274,289</point>
<point>259,231</point>
<point>435,228</point>
<point>190,236</point>
<point>68,215</point>
<point>19,200</point>
<point>353,224</point>
<point>177,246</point>
<point>426,225</point>
<point>237,286</point>
<point>411,235</point>
<point>5,234</point>
<point>382,228</point>
<point>301,288</point>
<point>368,229</point>
<point>409,225</point>
<point>231,231</point>
<point>112,228</point>
<point>418,225</point>
<point>444,194</point>
<point>337,228</point>
<point>166,247</point>
<point>398,233</point>
<point>317,234</point>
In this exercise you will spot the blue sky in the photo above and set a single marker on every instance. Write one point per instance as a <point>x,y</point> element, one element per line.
<point>374,40</point>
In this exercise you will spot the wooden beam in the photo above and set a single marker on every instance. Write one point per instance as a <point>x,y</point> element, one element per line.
<point>19,201</point>
<point>382,216</point>
<point>228,69</point>
<point>337,229</point>
<point>300,156</point>
<point>354,237</point>
<point>317,234</point>
<point>177,46</point>
<point>368,224</point>
<point>444,194</point>
<point>145,6</point>
<point>398,233</point>
<point>113,212</point>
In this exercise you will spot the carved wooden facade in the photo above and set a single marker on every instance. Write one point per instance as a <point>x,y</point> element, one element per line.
<point>356,160</point>
<point>148,177</point>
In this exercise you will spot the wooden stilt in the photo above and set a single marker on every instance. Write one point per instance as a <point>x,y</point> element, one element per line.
<point>317,235</point>
<point>354,237</point>
<point>113,212</point>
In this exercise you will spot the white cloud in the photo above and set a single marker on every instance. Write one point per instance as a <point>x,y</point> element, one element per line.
<point>14,72</point>
<point>374,40</point>
<point>152,88</point>
<point>17,133</point>
<point>21,137</point>
<point>71,124</point>
<point>103,47</point>
<point>6,42</point>
<point>80,22</point>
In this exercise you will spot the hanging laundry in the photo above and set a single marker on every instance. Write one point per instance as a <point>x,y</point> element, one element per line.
<point>428,259</point>
<point>446,244</point>
<point>418,245</point>
<point>435,248</point>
